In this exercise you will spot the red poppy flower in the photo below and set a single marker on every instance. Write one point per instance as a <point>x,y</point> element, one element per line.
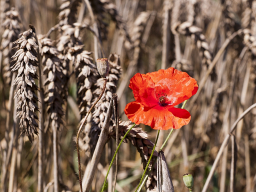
<point>156,94</point>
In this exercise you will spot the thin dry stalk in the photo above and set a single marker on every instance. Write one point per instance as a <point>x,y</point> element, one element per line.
<point>223,145</point>
<point>79,130</point>
<point>98,150</point>
<point>18,168</point>
<point>211,66</point>
<point>184,151</point>
<point>55,157</point>
<point>5,161</point>
<point>13,167</point>
<point>243,99</point>
<point>247,163</point>
<point>226,123</point>
<point>166,33</point>
<point>137,33</point>
<point>95,29</point>
<point>233,163</point>
<point>116,114</point>
<point>41,123</point>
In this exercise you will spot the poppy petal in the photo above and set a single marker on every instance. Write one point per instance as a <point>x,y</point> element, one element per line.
<point>176,85</point>
<point>143,89</point>
<point>162,118</point>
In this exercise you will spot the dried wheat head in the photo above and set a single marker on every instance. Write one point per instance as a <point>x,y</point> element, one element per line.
<point>11,33</point>
<point>26,63</point>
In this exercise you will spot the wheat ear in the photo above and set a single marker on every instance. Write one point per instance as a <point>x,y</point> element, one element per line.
<point>25,66</point>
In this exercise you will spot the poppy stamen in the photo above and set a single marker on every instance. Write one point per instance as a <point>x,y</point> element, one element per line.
<point>162,101</point>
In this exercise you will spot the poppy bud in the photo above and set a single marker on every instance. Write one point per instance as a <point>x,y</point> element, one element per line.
<point>102,66</point>
<point>188,181</point>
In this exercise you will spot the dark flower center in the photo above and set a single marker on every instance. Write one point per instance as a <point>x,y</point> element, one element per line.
<point>162,101</point>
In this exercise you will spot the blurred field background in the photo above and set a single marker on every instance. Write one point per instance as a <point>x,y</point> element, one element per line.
<point>212,40</point>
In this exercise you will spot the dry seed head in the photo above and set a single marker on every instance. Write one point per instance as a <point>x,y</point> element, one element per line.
<point>25,66</point>
<point>55,81</point>
<point>188,29</point>
<point>249,40</point>
<point>68,11</point>
<point>103,66</point>
<point>102,106</point>
<point>86,75</point>
<point>144,146</point>
<point>95,122</point>
<point>137,30</point>
<point>11,33</point>
<point>102,8</point>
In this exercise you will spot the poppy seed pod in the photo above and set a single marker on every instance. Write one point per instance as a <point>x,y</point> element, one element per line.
<point>188,180</point>
<point>103,66</point>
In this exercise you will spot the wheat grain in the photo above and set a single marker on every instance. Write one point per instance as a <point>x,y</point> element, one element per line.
<point>68,11</point>
<point>25,66</point>
<point>103,8</point>
<point>196,33</point>
<point>55,81</point>
<point>11,33</point>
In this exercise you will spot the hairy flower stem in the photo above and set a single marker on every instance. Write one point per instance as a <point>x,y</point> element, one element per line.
<point>79,130</point>
<point>105,181</point>
<point>145,170</point>
<point>167,138</point>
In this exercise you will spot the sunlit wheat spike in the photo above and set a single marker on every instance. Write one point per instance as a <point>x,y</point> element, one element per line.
<point>90,134</point>
<point>103,8</point>
<point>86,76</point>
<point>249,40</point>
<point>137,30</point>
<point>100,111</point>
<point>231,23</point>
<point>144,146</point>
<point>183,10</point>
<point>188,29</point>
<point>55,81</point>
<point>25,66</point>
<point>68,11</point>
<point>4,7</point>
<point>247,15</point>
<point>11,33</point>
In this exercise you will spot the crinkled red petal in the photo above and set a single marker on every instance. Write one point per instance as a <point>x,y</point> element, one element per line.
<point>143,89</point>
<point>176,85</point>
<point>158,117</point>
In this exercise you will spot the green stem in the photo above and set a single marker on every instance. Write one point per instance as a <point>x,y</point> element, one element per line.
<point>167,138</point>
<point>184,103</point>
<point>143,183</point>
<point>105,181</point>
<point>148,161</point>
